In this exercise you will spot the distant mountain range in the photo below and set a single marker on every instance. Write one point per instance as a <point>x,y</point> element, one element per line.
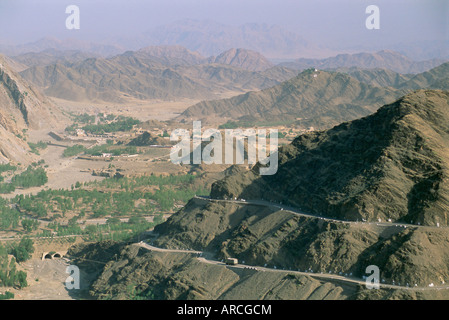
<point>165,72</point>
<point>170,55</point>
<point>211,38</point>
<point>51,56</point>
<point>171,71</point>
<point>69,44</point>
<point>385,59</point>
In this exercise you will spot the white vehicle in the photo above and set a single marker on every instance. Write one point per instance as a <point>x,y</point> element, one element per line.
<point>231,261</point>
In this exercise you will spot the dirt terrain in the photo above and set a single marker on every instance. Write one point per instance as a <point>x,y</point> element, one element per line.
<point>46,280</point>
<point>142,110</point>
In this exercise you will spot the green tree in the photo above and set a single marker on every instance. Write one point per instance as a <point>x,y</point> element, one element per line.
<point>29,225</point>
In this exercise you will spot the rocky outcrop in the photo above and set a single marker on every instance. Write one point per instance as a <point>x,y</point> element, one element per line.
<point>22,109</point>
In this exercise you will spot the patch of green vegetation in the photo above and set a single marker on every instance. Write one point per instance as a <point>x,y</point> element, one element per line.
<point>6,188</point>
<point>30,178</point>
<point>114,197</point>
<point>133,293</point>
<point>73,150</point>
<point>9,217</point>
<point>236,124</point>
<point>7,295</point>
<point>105,123</point>
<point>7,167</point>
<point>281,135</point>
<point>114,150</point>
<point>29,225</point>
<point>35,147</point>
<point>9,275</point>
<point>121,124</point>
<point>33,176</point>
<point>84,118</point>
<point>22,251</point>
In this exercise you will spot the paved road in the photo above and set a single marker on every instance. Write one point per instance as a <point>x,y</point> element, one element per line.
<point>327,276</point>
<point>203,255</point>
<point>153,248</point>
<point>295,211</point>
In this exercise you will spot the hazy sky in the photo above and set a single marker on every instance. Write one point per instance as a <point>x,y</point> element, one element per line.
<point>335,22</point>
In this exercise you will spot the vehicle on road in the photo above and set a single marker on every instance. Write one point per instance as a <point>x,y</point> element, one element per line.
<point>232,261</point>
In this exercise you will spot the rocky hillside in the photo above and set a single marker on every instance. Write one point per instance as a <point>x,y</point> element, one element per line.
<point>376,76</point>
<point>436,78</point>
<point>265,236</point>
<point>136,273</point>
<point>243,58</point>
<point>130,272</point>
<point>390,165</point>
<point>314,98</point>
<point>21,109</point>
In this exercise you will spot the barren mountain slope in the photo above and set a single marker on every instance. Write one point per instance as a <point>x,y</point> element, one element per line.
<point>390,165</point>
<point>164,73</point>
<point>314,98</point>
<point>243,58</point>
<point>21,109</point>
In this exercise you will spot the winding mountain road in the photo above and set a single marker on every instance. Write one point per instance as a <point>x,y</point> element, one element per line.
<point>208,257</point>
<point>279,206</point>
<point>325,276</point>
